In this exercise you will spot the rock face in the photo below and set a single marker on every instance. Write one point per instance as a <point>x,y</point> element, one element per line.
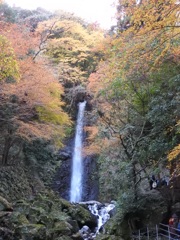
<point>14,182</point>
<point>62,179</point>
<point>90,179</point>
<point>46,217</point>
<point>29,174</point>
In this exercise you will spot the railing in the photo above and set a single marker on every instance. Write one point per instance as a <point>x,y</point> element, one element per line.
<point>159,232</point>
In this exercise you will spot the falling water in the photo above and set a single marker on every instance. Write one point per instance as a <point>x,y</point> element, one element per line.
<point>103,212</point>
<point>77,165</point>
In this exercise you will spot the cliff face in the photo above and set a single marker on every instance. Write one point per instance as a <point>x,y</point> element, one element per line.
<point>31,173</point>
<point>62,178</point>
<point>18,181</point>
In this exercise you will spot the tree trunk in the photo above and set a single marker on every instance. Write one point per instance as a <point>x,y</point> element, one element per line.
<point>134,180</point>
<point>7,146</point>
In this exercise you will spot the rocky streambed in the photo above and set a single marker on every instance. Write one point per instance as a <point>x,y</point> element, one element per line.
<point>47,217</point>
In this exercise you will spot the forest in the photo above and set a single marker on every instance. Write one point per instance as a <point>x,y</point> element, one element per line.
<point>130,77</point>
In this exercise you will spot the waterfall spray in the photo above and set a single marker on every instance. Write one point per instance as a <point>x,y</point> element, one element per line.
<point>77,163</point>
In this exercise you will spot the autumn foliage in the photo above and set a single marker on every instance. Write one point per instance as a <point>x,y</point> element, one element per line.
<point>30,94</point>
<point>136,89</point>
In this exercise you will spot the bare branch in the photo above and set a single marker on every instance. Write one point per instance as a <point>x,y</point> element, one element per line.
<point>44,38</point>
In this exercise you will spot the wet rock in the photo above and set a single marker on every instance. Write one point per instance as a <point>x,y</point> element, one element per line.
<point>64,155</point>
<point>113,210</point>
<point>77,236</point>
<point>82,216</point>
<point>92,202</point>
<point>85,230</point>
<point>79,94</point>
<point>90,179</point>
<point>62,178</point>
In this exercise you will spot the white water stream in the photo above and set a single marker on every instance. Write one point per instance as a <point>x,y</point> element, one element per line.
<point>77,162</point>
<point>103,212</point>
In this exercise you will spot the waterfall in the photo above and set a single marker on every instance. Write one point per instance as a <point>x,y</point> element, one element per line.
<point>77,163</point>
<point>100,211</point>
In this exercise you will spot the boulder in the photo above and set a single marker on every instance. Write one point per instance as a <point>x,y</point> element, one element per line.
<point>18,218</point>
<point>5,205</point>
<point>6,234</point>
<point>64,155</point>
<point>77,236</point>
<point>75,227</point>
<point>108,237</point>
<point>62,228</point>
<point>31,231</point>
<point>82,216</point>
<point>21,206</point>
<point>79,213</point>
<point>46,216</point>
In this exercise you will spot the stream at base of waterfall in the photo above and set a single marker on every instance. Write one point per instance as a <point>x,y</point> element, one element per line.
<point>101,211</point>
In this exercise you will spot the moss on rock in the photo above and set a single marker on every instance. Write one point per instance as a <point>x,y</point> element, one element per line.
<point>62,228</point>
<point>31,231</point>
<point>4,204</point>
<point>45,217</point>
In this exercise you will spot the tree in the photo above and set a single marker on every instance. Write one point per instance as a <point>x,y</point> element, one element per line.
<point>71,45</point>
<point>71,42</point>
<point>141,61</point>
<point>7,13</point>
<point>8,65</point>
<point>32,107</point>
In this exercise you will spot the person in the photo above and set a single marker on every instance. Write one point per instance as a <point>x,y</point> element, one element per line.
<point>173,221</point>
<point>171,226</point>
<point>167,180</point>
<point>164,182</point>
<point>178,228</point>
<point>175,217</point>
<point>152,182</point>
